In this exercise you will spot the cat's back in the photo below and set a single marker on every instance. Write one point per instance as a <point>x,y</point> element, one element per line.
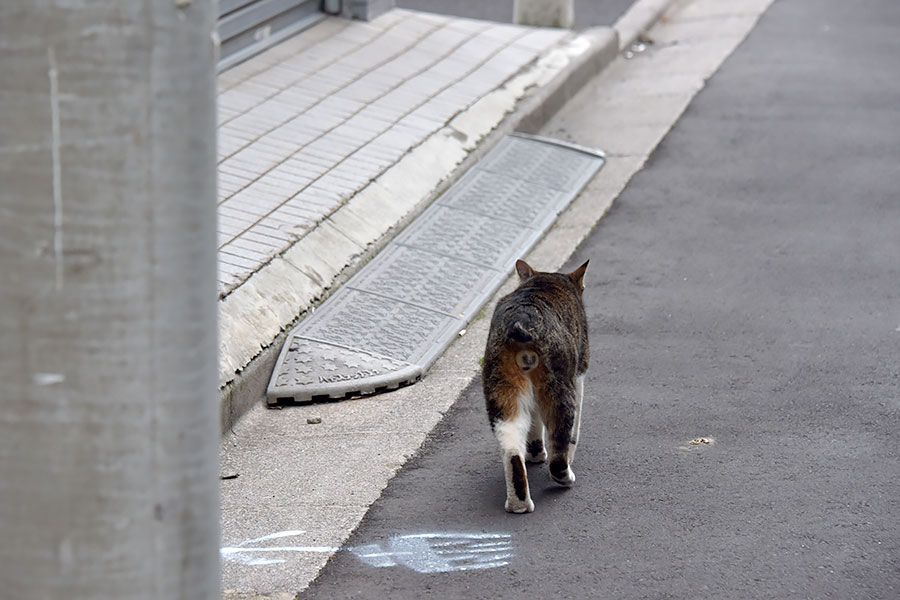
<point>550,294</point>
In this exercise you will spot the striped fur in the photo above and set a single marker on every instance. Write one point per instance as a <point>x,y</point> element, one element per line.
<point>534,364</point>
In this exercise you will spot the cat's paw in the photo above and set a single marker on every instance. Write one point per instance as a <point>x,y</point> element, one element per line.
<point>561,473</point>
<point>536,458</point>
<point>566,480</point>
<point>514,505</point>
<point>535,451</point>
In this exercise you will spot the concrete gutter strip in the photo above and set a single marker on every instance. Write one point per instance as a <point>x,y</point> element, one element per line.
<point>640,18</point>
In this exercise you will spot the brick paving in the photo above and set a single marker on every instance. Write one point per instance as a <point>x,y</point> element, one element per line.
<point>310,122</point>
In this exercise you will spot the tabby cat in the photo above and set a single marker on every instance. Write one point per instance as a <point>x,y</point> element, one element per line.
<point>533,376</point>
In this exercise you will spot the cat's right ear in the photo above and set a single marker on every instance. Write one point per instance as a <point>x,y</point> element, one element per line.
<point>524,270</point>
<point>577,276</point>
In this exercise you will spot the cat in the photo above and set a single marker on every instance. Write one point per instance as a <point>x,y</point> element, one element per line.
<point>533,375</point>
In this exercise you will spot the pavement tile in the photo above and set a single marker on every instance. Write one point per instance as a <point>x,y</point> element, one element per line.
<point>290,228</point>
<point>247,126</point>
<point>451,67</point>
<point>229,274</point>
<point>277,146</point>
<point>272,192</point>
<point>436,111</point>
<point>277,191</point>
<point>242,212</point>
<point>253,209</point>
<point>299,165</point>
<point>468,25</point>
<point>232,183</point>
<point>503,33</point>
<point>257,87</point>
<point>363,122</point>
<point>298,213</point>
<point>239,223</point>
<point>236,261</point>
<point>229,251</point>
<point>237,168</point>
<point>278,78</point>
<point>237,100</point>
<point>368,88</point>
<point>253,160</point>
<point>261,236</point>
<point>405,99</point>
<point>321,84</point>
<point>338,185</point>
<point>274,112</point>
<point>377,153</point>
<point>355,170</point>
<point>346,133</point>
<point>316,198</point>
<point>223,114</point>
<point>438,42</point>
<point>244,243</point>
<point>541,39</point>
<point>267,229</point>
<point>295,98</point>
<point>325,149</point>
<point>320,118</point>
<point>282,175</point>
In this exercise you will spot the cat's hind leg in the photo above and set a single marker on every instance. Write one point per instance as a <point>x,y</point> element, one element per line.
<point>511,430</point>
<point>579,402</point>
<point>534,449</point>
<point>558,405</point>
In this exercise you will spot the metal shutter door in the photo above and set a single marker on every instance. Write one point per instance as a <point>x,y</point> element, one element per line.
<point>247,27</point>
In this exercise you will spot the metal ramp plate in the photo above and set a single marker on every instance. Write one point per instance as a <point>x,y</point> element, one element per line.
<point>386,326</point>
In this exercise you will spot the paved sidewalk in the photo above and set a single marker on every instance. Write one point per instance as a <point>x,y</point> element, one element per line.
<point>312,122</point>
<point>331,142</point>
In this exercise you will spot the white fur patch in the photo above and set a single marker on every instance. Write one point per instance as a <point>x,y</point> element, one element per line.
<point>513,434</point>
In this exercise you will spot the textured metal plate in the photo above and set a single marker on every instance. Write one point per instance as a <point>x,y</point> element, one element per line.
<point>388,324</point>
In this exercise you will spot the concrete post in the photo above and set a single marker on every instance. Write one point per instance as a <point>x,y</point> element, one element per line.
<point>108,404</point>
<point>544,13</point>
<point>365,10</point>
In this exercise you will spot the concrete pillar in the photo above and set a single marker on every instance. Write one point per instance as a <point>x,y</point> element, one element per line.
<point>366,10</point>
<point>109,420</point>
<point>544,13</point>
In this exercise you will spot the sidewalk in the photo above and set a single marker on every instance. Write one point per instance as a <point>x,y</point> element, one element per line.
<point>332,141</point>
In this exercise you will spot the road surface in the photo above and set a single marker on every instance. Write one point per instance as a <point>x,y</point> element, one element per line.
<point>743,295</point>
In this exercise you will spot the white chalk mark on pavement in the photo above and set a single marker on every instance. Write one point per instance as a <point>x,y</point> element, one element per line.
<point>421,552</point>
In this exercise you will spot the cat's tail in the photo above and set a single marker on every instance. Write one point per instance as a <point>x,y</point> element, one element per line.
<point>527,359</point>
<point>518,333</point>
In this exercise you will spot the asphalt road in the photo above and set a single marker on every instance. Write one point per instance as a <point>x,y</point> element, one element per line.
<point>588,13</point>
<point>744,289</point>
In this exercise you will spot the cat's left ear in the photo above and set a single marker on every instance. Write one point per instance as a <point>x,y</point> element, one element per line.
<point>577,276</point>
<point>524,270</point>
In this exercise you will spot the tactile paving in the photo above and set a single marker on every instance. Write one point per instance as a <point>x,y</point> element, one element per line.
<point>387,325</point>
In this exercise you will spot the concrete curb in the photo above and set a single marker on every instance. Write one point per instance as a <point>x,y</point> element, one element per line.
<point>590,52</point>
<point>639,18</point>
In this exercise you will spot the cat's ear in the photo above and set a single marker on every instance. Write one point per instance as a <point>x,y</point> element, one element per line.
<point>577,275</point>
<point>524,270</point>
